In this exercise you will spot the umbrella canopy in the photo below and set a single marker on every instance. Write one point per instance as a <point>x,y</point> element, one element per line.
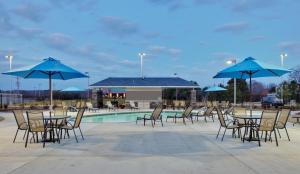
<point>251,68</point>
<point>49,68</point>
<point>215,89</point>
<point>73,89</point>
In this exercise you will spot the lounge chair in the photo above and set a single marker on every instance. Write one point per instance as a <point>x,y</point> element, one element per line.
<point>282,120</point>
<point>207,113</point>
<point>132,105</point>
<point>75,125</point>
<point>110,106</point>
<point>90,107</point>
<point>267,124</point>
<point>155,116</point>
<point>21,122</point>
<point>185,115</point>
<point>226,125</point>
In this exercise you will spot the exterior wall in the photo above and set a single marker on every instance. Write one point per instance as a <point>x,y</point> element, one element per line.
<point>144,96</point>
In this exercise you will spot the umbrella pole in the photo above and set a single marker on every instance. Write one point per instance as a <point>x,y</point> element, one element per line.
<point>50,92</point>
<point>250,95</point>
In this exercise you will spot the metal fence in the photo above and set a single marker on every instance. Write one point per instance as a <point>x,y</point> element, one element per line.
<point>10,99</point>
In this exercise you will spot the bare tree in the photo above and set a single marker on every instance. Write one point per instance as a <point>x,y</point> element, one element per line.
<point>295,74</point>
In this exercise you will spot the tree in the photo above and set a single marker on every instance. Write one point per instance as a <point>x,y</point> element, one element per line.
<point>242,90</point>
<point>295,74</point>
<point>272,88</point>
<point>258,90</point>
<point>290,90</point>
<point>220,95</point>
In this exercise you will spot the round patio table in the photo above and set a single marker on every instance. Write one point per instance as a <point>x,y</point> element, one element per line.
<point>251,123</point>
<point>52,122</point>
<point>297,116</point>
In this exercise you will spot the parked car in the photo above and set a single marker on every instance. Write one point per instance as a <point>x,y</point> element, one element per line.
<point>271,100</point>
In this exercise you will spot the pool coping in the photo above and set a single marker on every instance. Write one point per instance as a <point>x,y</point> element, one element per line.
<point>127,112</point>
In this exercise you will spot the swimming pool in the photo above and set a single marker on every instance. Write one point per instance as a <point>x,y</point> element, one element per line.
<point>120,117</point>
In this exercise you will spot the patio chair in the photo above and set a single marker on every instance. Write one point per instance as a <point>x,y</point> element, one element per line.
<point>76,107</point>
<point>282,120</point>
<point>155,116</point>
<point>228,112</point>
<point>239,111</point>
<point>267,124</point>
<point>82,104</point>
<point>110,106</point>
<point>90,107</point>
<point>62,122</point>
<point>215,104</point>
<point>21,122</point>
<point>226,125</point>
<point>36,124</point>
<point>176,104</point>
<point>132,105</point>
<point>185,115</point>
<point>75,125</point>
<point>207,113</point>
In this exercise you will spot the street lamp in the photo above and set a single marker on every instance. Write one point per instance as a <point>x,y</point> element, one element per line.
<point>282,56</point>
<point>230,62</point>
<point>10,58</point>
<point>142,55</point>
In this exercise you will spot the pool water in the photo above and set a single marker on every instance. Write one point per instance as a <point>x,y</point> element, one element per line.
<point>120,117</point>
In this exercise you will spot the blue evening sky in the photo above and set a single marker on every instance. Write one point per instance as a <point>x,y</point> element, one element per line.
<point>192,38</point>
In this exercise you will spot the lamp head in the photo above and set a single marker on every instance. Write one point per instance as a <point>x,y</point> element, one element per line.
<point>142,54</point>
<point>232,61</point>
<point>283,55</point>
<point>9,57</point>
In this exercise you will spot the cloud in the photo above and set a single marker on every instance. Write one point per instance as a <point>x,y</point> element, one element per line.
<point>118,27</point>
<point>240,6</point>
<point>129,63</point>
<point>29,33</point>
<point>222,55</point>
<point>30,11</point>
<point>171,4</point>
<point>206,2</point>
<point>5,20</point>
<point>292,47</point>
<point>250,5</point>
<point>152,35</point>
<point>58,41</point>
<point>257,38</point>
<point>86,5</point>
<point>155,50</point>
<point>232,27</point>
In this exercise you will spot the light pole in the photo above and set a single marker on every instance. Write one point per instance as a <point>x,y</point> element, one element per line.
<point>88,91</point>
<point>142,55</point>
<point>230,62</point>
<point>10,58</point>
<point>282,56</point>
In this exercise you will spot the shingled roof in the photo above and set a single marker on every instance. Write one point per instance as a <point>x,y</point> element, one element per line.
<point>167,82</point>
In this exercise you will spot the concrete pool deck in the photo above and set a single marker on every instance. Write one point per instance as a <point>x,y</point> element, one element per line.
<point>130,148</point>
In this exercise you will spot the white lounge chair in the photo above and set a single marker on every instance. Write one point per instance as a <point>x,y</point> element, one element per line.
<point>110,106</point>
<point>132,105</point>
<point>90,107</point>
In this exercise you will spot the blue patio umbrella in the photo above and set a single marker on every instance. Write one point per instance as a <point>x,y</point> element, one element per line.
<point>73,89</point>
<point>49,68</point>
<point>215,89</point>
<point>251,68</point>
